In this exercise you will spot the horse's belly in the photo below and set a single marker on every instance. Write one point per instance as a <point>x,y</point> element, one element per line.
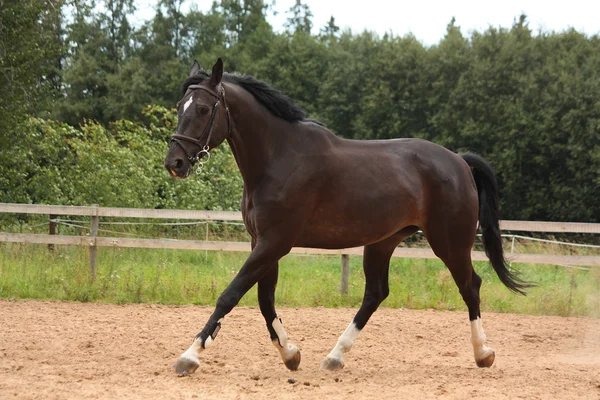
<point>339,230</point>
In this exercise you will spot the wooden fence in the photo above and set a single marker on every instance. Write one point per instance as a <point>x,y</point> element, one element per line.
<point>93,241</point>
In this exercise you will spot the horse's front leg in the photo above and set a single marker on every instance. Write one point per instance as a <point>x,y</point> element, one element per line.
<point>266,299</point>
<point>263,258</point>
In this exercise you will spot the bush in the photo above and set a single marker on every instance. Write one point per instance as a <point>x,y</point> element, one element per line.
<point>49,162</point>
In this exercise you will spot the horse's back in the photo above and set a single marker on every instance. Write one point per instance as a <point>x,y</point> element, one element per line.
<point>432,167</point>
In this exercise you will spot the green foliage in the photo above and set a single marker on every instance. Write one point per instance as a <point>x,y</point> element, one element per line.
<point>527,102</point>
<point>119,165</point>
<point>30,48</point>
<point>300,18</point>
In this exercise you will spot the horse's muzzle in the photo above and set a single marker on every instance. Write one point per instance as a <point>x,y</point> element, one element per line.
<point>178,167</point>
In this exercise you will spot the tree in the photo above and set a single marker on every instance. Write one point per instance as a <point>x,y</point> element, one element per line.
<point>242,18</point>
<point>99,46</point>
<point>330,31</point>
<point>447,64</point>
<point>30,56</point>
<point>174,29</point>
<point>342,84</point>
<point>394,96</point>
<point>300,19</point>
<point>206,35</point>
<point>528,103</point>
<point>115,20</point>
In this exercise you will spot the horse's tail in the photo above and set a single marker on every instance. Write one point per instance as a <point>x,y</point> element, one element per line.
<point>487,189</point>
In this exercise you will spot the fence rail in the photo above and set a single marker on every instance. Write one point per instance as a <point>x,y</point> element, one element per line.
<point>93,242</point>
<point>99,241</point>
<point>95,211</point>
<point>522,226</point>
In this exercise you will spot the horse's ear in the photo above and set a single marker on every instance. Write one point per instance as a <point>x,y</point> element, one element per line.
<point>195,68</point>
<point>217,73</point>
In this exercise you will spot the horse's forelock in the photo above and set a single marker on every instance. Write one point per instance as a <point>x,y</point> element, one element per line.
<point>201,76</point>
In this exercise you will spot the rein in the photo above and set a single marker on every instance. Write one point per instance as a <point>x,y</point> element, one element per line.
<point>194,158</point>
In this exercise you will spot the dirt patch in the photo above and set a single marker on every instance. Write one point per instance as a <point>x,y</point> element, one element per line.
<point>55,350</point>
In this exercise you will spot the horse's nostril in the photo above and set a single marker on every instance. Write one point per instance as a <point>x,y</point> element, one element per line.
<point>178,163</point>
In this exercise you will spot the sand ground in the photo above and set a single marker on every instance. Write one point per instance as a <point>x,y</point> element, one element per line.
<point>61,350</point>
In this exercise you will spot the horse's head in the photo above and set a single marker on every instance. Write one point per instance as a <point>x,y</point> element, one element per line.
<point>204,121</point>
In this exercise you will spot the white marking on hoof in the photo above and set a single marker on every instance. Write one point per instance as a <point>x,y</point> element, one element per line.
<point>194,351</point>
<point>335,359</point>
<point>189,360</point>
<point>187,103</point>
<point>484,355</point>
<point>289,353</point>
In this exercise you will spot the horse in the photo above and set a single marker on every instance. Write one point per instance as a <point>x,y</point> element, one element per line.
<point>304,186</point>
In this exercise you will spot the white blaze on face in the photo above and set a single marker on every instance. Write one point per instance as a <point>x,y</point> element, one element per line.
<point>187,103</point>
<point>345,342</point>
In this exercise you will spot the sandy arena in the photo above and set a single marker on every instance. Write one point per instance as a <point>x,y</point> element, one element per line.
<point>59,350</point>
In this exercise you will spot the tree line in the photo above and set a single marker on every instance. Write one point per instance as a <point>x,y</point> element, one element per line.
<point>527,101</point>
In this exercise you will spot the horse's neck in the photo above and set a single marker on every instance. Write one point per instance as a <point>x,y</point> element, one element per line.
<point>253,137</point>
<point>244,157</point>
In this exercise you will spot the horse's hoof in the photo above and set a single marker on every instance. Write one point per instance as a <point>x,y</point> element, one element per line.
<point>332,364</point>
<point>185,366</point>
<point>487,361</point>
<point>293,363</point>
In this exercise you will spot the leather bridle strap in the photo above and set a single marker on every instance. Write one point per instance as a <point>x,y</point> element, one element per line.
<point>204,148</point>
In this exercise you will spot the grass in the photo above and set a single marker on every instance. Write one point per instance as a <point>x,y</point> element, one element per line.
<point>197,277</point>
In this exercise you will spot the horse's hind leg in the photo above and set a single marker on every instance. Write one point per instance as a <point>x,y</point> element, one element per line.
<point>266,300</point>
<point>376,262</point>
<point>455,252</point>
<point>468,283</point>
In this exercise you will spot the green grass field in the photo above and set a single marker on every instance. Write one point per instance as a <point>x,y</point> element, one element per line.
<point>198,277</point>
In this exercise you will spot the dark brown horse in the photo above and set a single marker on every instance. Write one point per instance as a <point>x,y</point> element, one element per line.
<point>306,187</point>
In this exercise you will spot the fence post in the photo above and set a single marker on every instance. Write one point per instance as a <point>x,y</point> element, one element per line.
<point>512,249</point>
<point>93,248</point>
<point>206,251</point>
<point>345,273</point>
<point>52,230</point>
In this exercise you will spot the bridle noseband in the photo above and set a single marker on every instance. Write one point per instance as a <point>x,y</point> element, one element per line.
<point>204,148</point>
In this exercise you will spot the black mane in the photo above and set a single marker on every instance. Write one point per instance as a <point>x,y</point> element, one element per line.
<point>278,103</point>
<point>194,80</point>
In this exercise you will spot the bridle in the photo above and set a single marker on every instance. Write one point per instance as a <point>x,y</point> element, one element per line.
<point>194,158</point>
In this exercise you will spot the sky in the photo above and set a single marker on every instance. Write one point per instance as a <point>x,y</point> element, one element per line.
<point>427,20</point>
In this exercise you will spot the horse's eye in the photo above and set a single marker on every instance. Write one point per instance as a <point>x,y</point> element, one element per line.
<point>178,104</point>
<point>202,110</point>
